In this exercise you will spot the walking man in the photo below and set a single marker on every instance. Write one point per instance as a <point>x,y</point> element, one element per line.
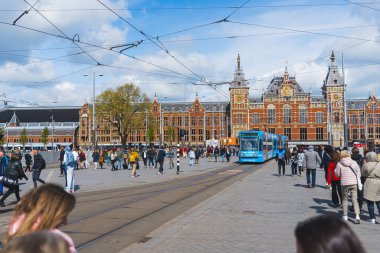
<point>38,165</point>
<point>312,161</point>
<point>60,160</point>
<point>69,163</point>
<point>3,164</point>
<point>280,158</point>
<point>160,158</point>
<point>170,156</point>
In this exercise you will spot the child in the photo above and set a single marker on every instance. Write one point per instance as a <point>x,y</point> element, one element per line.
<point>43,208</point>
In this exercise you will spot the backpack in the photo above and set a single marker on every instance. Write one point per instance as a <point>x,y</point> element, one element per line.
<point>69,159</point>
<point>43,162</point>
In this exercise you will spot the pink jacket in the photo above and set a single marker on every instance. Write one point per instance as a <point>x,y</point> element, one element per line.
<point>342,170</point>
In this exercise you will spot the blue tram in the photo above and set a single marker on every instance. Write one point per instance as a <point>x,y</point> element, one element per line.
<point>259,146</point>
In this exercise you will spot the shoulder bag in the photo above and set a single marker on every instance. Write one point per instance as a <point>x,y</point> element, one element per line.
<point>360,185</point>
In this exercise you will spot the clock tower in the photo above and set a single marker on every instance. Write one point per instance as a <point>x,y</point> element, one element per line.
<point>333,92</point>
<point>239,102</point>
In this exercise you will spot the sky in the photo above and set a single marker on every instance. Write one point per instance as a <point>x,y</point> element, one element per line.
<point>50,50</point>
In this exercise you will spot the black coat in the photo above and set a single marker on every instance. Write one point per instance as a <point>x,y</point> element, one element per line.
<point>38,162</point>
<point>14,170</point>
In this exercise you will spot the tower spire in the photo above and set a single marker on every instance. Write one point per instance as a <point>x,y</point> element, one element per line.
<point>332,57</point>
<point>238,61</point>
<point>286,74</point>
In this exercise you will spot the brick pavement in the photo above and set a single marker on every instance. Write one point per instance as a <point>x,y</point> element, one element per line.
<point>257,214</point>
<point>92,180</point>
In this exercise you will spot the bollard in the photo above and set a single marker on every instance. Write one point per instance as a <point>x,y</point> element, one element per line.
<point>178,159</point>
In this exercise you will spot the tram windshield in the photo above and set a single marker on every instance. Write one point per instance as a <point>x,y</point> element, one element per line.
<point>249,144</point>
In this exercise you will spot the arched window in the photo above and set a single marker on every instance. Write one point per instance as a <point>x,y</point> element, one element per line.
<point>287,114</point>
<point>271,114</point>
<point>303,114</point>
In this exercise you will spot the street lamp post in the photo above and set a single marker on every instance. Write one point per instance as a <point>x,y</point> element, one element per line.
<point>93,133</point>
<point>52,135</point>
<point>161,126</point>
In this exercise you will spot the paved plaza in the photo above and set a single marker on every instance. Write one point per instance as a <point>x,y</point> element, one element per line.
<point>257,214</point>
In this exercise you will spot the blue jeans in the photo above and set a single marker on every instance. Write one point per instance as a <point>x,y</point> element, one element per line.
<point>313,174</point>
<point>119,160</point>
<point>371,208</point>
<point>70,179</point>
<point>223,157</point>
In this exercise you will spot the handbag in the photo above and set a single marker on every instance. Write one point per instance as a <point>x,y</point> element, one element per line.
<point>7,181</point>
<point>360,185</point>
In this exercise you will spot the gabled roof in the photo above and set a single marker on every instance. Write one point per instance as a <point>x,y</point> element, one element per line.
<point>318,99</point>
<point>14,120</point>
<point>354,104</point>
<point>276,83</point>
<point>41,114</point>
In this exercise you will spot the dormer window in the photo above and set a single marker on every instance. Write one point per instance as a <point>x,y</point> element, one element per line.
<point>335,81</point>
<point>334,71</point>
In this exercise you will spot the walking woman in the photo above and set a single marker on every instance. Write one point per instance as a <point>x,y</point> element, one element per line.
<point>113,159</point>
<point>44,208</point>
<point>333,180</point>
<point>101,158</point>
<point>349,172</point>
<point>301,161</point>
<point>371,171</point>
<point>14,172</point>
<point>95,158</point>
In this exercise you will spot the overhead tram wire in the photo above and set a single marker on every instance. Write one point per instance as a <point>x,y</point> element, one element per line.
<point>362,5</point>
<point>25,12</point>
<point>73,41</point>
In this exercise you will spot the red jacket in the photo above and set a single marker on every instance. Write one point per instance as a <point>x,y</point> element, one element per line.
<point>330,173</point>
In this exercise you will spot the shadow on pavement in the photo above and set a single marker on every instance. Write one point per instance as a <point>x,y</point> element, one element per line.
<point>300,185</point>
<point>6,210</point>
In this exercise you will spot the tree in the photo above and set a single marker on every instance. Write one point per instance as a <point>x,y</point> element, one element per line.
<point>124,108</point>
<point>23,138</point>
<point>45,136</point>
<point>1,136</point>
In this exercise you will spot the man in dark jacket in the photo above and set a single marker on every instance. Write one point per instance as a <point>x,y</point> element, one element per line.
<point>14,172</point>
<point>3,164</point>
<point>38,165</point>
<point>60,159</point>
<point>160,158</point>
<point>280,159</point>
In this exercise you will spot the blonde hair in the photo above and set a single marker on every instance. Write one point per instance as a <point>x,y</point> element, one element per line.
<point>39,242</point>
<point>45,207</point>
<point>345,153</point>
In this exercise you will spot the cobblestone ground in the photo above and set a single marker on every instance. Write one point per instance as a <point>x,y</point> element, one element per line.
<point>92,180</point>
<point>257,214</point>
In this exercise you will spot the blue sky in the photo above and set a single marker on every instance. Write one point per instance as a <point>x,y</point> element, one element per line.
<point>37,68</point>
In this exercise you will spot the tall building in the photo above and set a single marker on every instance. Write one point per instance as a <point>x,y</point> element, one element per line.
<point>284,108</point>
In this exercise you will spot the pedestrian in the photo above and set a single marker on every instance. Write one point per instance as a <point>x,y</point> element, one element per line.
<point>333,180</point>
<point>60,160</point>
<point>312,161</point>
<point>359,159</point>
<point>170,156</point>
<point>209,151</point>
<point>197,155</point>
<point>113,160</point>
<point>145,157</point>
<point>68,162</point>
<point>160,158</point>
<point>95,158</point>
<point>133,158</point>
<point>76,155</point>
<point>287,156</point>
<point>301,161</point>
<point>108,157</point>
<point>371,171</point>
<point>4,160</point>
<point>349,172</point>
<point>82,159</point>
<point>38,165</point>
<point>38,242</point>
<point>13,172</point>
<point>151,156</point>
<point>294,161</point>
<point>101,158</point>
<point>326,234</point>
<point>44,208</point>
<point>119,160</point>
<point>185,152</point>
<point>155,158</point>
<point>191,157</point>
<point>280,159</point>
<point>125,159</point>
<point>326,152</point>
<point>28,162</point>
<point>216,153</point>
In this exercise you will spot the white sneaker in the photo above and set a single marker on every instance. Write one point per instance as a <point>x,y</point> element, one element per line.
<point>345,218</point>
<point>373,221</point>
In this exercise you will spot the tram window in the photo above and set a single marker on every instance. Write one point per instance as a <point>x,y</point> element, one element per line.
<point>261,145</point>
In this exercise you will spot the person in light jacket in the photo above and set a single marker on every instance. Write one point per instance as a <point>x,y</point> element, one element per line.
<point>371,171</point>
<point>312,161</point>
<point>348,170</point>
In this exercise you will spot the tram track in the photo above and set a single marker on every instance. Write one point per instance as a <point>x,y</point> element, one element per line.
<point>116,227</point>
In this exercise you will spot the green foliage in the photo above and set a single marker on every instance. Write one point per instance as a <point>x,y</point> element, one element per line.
<point>45,136</point>
<point>1,136</point>
<point>23,137</point>
<point>124,108</point>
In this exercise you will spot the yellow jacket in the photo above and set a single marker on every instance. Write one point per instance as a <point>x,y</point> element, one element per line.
<point>133,156</point>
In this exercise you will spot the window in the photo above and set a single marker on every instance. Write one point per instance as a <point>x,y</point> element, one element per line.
<point>165,121</point>
<point>200,120</point>
<point>272,130</point>
<point>354,119</point>
<point>370,132</point>
<point>362,136</point>
<point>349,134</point>
<point>216,122</point>
<point>193,121</point>
<point>271,114</point>
<point>155,108</point>
<point>215,134</point>
<point>377,132</point>
<point>377,118</point>
<point>179,120</point>
<point>239,118</point>
<point>288,133</point>
<point>370,119</point>
<point>192,134</point>
<point>303,133</point>
<point>207,134</point>
<point>303,114</point>
<point>200,134</point>
<point>207,121</point>
<point>355,134</point>
<point>196,108</point>
<point>336,116</point>
<point>172,121</point>
<point>186,121</point>
<point>287,114</point>
<point>319,118</point>
<point>319,131</point>
<point>256,118</point>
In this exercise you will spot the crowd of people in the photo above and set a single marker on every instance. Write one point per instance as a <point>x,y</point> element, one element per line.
<point>346,173</point>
